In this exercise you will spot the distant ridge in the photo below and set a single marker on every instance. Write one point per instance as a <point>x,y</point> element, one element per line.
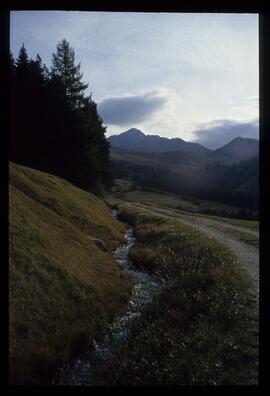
<point>236,150</point>
<point>136,140</point>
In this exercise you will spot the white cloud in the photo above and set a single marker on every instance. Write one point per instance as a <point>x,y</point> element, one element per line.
<point>219,132</point>
<point>128,109</point>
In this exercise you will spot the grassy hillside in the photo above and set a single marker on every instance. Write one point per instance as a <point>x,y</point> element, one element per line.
<point>63,285</point>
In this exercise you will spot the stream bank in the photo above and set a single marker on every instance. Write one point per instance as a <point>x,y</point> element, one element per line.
<point>88,368</point>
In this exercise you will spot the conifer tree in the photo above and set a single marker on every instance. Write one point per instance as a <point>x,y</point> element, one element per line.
<point>54,127</point>
<point>11,63</point>
<point>64,68</point>
<point>22,62</point>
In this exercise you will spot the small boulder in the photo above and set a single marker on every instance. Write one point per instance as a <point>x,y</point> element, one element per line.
<point>98,242</point>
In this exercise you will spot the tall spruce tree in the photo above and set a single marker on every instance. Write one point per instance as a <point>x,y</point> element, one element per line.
<point>22,63</point>
<point>19,110</point>
<point>64,68</point>
<point>84,145</point>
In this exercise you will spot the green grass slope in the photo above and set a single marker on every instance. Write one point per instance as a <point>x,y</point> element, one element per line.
<point>63,288</point>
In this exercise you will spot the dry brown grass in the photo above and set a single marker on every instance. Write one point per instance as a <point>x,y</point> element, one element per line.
<point>63,289</point>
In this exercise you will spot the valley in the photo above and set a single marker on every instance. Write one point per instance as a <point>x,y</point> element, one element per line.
<point>228,175</point>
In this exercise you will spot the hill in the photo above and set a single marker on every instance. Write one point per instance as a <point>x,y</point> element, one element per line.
<point>64,285</point>
<point>136,140</point>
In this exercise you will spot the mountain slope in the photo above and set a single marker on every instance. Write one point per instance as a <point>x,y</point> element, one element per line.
<point>161,159</point>
<point>226,180</point>
<point>135,140</point>
<point>64,284</point>
<point>236,150</point>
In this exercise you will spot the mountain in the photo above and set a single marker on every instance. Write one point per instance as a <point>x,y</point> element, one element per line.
<point>236,150</point>
<point>136,140</point>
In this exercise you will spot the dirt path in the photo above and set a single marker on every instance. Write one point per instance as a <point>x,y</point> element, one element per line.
<point>248,255</point>
<point>209,222</point>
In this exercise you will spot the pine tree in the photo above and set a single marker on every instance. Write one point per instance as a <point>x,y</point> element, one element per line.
<point>37,71</point>
<point>64,68</point>
<point>11,63</point>
<point>22,62</point>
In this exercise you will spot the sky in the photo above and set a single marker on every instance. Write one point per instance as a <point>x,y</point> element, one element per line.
<point>189,75</point>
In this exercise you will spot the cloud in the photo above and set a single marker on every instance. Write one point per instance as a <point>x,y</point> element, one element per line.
<point>139,52</point>
<point>131,109</point>
<point>219,132</point>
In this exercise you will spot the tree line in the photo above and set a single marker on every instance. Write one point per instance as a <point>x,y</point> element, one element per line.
<point>236,184</point>
<point>54,126</point>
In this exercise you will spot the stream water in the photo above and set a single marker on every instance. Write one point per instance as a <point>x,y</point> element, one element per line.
<point>93,361</point>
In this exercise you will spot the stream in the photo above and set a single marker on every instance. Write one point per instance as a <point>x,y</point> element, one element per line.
<point>90,365</point>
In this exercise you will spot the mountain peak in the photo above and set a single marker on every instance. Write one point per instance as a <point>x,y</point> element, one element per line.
<point>134,132</point>
<point>236,150</point>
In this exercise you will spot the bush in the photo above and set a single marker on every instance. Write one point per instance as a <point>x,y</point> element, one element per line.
<point>99,190</point>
